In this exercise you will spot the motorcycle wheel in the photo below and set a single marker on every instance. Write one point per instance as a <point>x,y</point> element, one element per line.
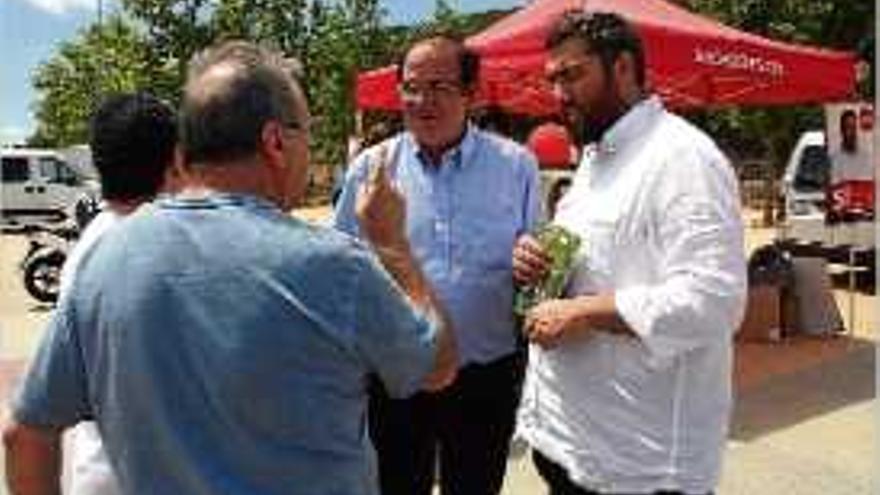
<point>42,277</point>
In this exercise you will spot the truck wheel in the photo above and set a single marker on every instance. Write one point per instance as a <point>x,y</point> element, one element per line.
<point>42,277</point>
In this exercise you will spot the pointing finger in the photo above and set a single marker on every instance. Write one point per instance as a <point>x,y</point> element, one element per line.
<point>378,165</point>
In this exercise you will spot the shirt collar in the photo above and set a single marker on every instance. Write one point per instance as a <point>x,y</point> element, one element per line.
<point>214,199</point>
<point>630,126</point>
<point>458,155</point>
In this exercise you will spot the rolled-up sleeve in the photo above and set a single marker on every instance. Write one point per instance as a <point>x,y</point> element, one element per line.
<point>54,391</point>
<point>699,294</point>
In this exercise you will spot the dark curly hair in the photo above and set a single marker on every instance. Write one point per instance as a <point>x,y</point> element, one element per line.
<point>132,136</point>
<point>604,34</point>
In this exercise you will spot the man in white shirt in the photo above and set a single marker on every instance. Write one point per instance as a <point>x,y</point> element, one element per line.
<point>132,139</point>
<point>628,388</point>
<point>847,161</point>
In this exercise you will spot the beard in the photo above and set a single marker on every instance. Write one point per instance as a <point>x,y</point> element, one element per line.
<point>594,125</point>
<point>588,121</point>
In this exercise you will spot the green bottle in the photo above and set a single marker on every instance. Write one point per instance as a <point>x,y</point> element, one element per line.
<point>561,245</point>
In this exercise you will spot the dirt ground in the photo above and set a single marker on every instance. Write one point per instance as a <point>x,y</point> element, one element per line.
<point>803,422</point>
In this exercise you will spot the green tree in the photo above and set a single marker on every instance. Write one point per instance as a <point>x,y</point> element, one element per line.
<point>447,19</point>
<point>772,131</point>
<point>332,39</point>
<point>99,60</point>
<point>174,29</point>
<point>345,38</point>
<point>283,24</point>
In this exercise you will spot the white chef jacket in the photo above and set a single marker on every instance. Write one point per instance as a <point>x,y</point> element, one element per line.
<point>657,206</point>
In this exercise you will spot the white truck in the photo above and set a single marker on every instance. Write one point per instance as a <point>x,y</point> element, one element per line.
<point>38,185</point>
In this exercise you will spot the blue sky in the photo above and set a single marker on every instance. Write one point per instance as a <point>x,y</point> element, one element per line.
<point>31,29</point>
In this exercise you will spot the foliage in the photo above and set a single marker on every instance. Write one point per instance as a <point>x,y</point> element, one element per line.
<point>100,60</point>
<point>345,39</point>
<point>772,132</point>
<point>150,44</point>
<point>447,19</point>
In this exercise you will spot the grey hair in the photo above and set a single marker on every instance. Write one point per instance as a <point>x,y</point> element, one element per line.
<point>222,118</point>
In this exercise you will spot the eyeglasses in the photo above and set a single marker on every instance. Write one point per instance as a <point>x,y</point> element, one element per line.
<point>410,90</point>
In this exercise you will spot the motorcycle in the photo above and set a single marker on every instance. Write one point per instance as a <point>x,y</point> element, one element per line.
<point>48,246</point>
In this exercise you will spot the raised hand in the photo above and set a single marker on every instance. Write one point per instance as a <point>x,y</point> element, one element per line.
<point>381,212</point>
<point>380,208</point>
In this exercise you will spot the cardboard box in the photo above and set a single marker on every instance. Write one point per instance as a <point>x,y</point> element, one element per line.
<point>762,321</point>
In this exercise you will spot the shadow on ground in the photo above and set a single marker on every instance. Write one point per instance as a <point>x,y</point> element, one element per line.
<point>844,376</point>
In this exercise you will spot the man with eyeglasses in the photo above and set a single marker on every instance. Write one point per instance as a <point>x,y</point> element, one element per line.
<point>221,345</point>
<point>469,194</point>
<point>628,389</point>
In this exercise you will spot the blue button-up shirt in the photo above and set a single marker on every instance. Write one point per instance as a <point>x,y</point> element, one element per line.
<point>463,217</point>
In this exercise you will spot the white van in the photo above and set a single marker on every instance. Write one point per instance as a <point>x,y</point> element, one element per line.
<point>37,185</point>
<point>807,175</point>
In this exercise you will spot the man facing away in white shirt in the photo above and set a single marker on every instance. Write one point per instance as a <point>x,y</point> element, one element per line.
<point>628,388</point>
<point>132,138</point>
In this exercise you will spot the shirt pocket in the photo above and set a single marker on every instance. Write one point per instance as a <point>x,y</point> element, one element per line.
<point>635,247</point>
<point>597,256</point>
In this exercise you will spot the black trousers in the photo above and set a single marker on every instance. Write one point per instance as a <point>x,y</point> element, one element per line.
<point>559,483</point>
<point>467,426</point>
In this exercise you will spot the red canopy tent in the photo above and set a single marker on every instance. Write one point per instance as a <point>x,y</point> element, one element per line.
<point>692,61</point>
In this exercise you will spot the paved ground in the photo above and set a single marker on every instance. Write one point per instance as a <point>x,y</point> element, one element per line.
<point>805,414</point>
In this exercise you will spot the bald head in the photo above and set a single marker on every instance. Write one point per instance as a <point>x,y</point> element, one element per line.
<point>232,91</point>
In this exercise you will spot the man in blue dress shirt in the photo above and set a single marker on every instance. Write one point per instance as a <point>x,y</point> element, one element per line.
<point>469,194</point>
